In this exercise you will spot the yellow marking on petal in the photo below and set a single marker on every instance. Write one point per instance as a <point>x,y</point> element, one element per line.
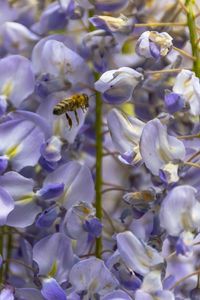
<point>7,88</point>
<point>27,198</point>
<point>128,47</point>
<point>13,151</point>
<point>38,168</point>
<point>53,270</point>
<point>128,109</point>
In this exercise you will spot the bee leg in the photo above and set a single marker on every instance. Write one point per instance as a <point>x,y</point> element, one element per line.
<point>76,116</point>
<point>69,120</point>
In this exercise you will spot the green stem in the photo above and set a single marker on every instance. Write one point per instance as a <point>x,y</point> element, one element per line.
<point>9,251</point>
<point>193,35</point>
<point>1,252</point>
<point>99,156</point>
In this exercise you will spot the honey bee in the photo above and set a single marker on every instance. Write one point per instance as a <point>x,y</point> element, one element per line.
<point>72,104</point>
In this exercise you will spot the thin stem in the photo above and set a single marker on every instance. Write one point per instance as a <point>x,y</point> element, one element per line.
<point>115,189</point>
<point>9,251</point>
<point>191,164</point>
<point>13,260</point>
<point>164,71</point>
<point>109,221</point>
<point>1,252</point>
<point>185,278</point>
<point>193,35</point>
<point>99,157</point>
<point>184,53</point>
<point>99,154</point>
<point>196,154</point>
<point>160,24</point>
<point>184,8</point>
<point>189,137</point>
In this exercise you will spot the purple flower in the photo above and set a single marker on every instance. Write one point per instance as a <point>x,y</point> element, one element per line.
<point>17,38</point>
<point>17,192</point>
<point>153,44</point>
<point>160,150</point>
<point>78,183</point>
<point>188,87</point>
<point>125,133</point>
<point>179,211</point>
<point>51,290</point>
<point>23,133</point>
<point>16,79</point>
<point>174,102</point>
<point>92,276</point>
<point>111,24</point>
<point>137,255</point>
<point>117,86</point>
<point>54,256</point>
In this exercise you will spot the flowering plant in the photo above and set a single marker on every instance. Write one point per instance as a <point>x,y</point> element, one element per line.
<point>99,152</point>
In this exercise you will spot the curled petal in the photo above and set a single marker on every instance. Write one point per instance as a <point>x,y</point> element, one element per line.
<point>137,255</point>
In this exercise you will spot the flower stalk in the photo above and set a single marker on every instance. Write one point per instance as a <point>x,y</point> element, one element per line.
<point>191,21</point>
<point>99,156</point>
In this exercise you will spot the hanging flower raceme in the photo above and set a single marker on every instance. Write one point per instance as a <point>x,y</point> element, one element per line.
<point>117,86</point>
<point>153,44</point>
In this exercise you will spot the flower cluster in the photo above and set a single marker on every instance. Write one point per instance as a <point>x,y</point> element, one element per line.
<point>99,152</point>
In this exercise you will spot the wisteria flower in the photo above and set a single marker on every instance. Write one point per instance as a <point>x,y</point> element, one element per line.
<point>78,183</point>
<point>125,133</point>
<point>23,134</point>
<point>160,151</point>
<point>153,44</point>
<point>111,24</point>
<point>188,87</point>
<point>17,193</point>
<point>54,256</point>
<point>16,79</point>
<point>179,210</point>
<point>91,276</point>
<point>16,38</point>
<point>137,255</point>
<point>152,288</point>
<point>117,86</point>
